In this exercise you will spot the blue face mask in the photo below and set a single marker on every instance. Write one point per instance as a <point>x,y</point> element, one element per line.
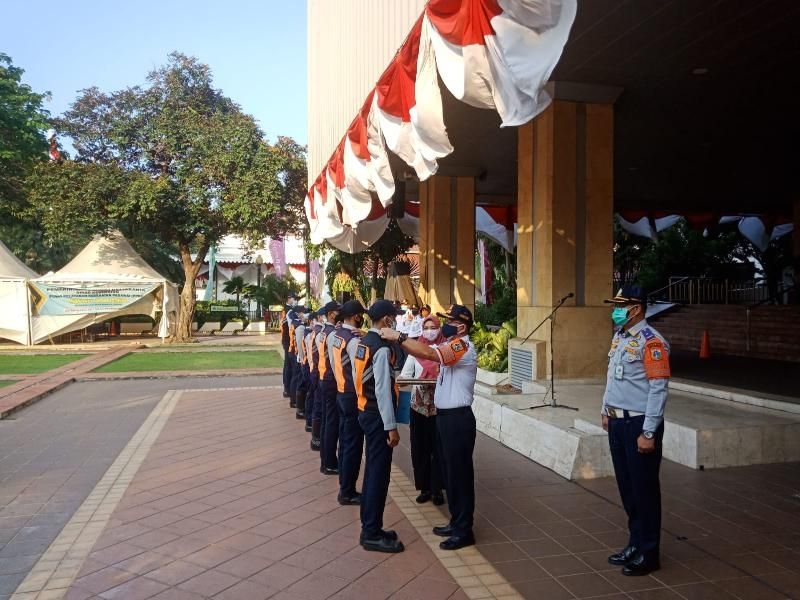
<point>619,316</point>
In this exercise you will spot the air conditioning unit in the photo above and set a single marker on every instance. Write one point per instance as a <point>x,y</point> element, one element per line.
<point>526,361</point>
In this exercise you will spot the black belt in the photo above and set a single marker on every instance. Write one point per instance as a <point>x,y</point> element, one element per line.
<point>454,411</point>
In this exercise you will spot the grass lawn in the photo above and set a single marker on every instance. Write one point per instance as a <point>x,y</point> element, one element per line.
<point>5,383</point>
<point>22,364</point>
<point>193,361</point>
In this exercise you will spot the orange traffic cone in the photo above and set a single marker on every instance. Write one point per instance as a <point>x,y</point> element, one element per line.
<point>705,345</point>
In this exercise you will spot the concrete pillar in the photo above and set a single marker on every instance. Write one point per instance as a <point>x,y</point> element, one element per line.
<point>565,234</point>
<point>447,241</point>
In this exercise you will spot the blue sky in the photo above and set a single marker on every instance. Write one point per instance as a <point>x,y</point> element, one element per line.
<point>256,49</point>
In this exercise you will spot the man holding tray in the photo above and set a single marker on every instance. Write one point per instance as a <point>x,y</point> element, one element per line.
<point>455,421</point>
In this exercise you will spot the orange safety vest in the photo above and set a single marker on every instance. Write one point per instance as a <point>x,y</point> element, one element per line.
<point>364,378</point>
<point>342,369</point>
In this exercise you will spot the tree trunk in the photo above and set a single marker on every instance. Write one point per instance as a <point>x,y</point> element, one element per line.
<point>374,290</point>
<point>183,330</point>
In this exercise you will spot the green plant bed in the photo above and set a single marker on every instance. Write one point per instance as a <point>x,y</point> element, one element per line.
<point>193,361</point>
<point>31,364</point>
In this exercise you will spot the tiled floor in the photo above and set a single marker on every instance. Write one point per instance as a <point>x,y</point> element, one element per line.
<point>230,503</point>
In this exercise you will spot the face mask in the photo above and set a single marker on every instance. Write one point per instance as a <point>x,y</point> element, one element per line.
<point>619,316</point>
<point>359,321</point>
<point>430,334</point>
<point>449,331</point>
<point>415,312</point>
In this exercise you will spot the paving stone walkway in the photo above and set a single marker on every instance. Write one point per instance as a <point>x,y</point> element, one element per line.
<point>30,389</point>
<point>228,502</point>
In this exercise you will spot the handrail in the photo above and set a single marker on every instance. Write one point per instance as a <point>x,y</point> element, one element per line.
<point>666,287</point>
<point>781,290</point>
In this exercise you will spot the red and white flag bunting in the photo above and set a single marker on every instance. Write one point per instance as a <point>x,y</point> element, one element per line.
<point>494,54</point>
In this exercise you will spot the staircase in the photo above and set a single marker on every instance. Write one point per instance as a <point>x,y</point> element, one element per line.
<point>774,330</point>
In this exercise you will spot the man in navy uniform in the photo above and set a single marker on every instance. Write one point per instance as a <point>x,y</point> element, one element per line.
<point>312,357</point>
<point>633,415</point>
<point>326,395</point>
<point>294,368</point>
<point>345,342</point>
<point>288,316</point>
<point>374,374</point>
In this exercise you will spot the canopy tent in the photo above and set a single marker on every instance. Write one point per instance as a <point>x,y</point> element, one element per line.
<point>14,302</point>
<point>107,279</point>
<point>492,54</point>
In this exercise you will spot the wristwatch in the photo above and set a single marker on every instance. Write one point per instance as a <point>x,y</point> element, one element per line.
<point>648,435</point>
<point>403,337</point>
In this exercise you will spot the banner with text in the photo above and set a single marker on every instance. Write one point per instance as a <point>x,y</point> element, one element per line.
<point>87,298</point>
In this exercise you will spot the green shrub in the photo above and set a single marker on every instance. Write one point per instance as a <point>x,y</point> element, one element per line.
<point>492,347</point>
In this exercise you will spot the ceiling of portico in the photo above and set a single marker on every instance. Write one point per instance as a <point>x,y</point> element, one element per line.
<point>708,116</point>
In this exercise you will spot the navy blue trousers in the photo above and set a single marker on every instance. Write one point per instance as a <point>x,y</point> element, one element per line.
<point>287,370</point>
<point>329,424</point>
<point>377,470</point>
<point>456,436</point>
<point>311,397</point>
<point>294,376</point>
<point>351,443</point>
<point>638,482</point>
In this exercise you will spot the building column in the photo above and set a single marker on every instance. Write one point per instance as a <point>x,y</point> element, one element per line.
<point>447,242</point>
<point>565,234</point>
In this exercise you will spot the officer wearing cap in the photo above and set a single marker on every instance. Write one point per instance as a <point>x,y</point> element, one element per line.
<point>302,374</point>
<point>294,367</point>
<point>312,357</point>
<point>288,316</point>
<point>633,415</point>
<point>345,341</point>
<point>455,421</point>
<point>326,395</point>
<point>375,362</point>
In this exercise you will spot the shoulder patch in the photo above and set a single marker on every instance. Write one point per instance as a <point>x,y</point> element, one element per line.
<point>337,341</point>
<point>648,335</point>
<point>361,352</point>
<point>656,360</point>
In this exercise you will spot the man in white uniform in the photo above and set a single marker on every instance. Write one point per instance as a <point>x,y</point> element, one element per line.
<point>455,421</point>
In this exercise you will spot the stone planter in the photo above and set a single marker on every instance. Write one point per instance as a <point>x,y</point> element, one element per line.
<point>492,378</point>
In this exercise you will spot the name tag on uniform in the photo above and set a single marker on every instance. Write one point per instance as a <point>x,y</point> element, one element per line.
<point>618,371</point>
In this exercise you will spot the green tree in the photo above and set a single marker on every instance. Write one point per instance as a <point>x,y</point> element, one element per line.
<point>175,158</point>
<point>274,290</point>
<point>236,286</point>
<point>23,122</point>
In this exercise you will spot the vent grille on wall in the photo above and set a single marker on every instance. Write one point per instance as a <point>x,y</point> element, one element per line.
<point>520,365</point>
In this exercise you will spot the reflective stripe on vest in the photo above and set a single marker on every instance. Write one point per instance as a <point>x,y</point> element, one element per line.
<point>292,340</point>
<point>364,378</point>
<point>325,369</point>
<point>342,369</point>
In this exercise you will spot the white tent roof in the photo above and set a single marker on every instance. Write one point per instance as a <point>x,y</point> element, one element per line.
<point>13,268</point>
<point>109,258</point>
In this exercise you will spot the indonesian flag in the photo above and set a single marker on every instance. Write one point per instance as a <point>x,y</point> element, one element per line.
<point>493,54</point>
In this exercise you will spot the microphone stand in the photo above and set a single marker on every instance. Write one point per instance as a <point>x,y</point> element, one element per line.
<point>552,318</point>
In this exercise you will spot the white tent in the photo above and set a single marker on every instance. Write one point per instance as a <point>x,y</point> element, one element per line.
<point>14,303</point>
<point>107,279</point>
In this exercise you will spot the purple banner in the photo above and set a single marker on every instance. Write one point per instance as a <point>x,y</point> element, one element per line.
<point>278,251</point>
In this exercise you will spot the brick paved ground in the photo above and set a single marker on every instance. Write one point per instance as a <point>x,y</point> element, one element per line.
<point>229,503</point>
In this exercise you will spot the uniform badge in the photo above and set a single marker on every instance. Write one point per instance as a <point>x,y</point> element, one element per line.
<point>337,342</point>
<point>648,335</point>
<point>655,353</point>
<point>633,343</point>
<point>457,346</point>
<point>361,352</point>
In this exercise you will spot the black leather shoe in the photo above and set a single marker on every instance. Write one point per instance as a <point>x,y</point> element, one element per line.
<point>389,534</point>
<point>327,471</point>
<point>438,499</point>
<point>353,500</point>
<point>640,566</point>
<point>382,544</point>
<point>315,444</point>
<point>285,394</point>
<point>457,541</point>
<point>308,428</point>
<point>299,415</point>
<point>423,497</point>
<point>624,557</point>
<point>443,531</point>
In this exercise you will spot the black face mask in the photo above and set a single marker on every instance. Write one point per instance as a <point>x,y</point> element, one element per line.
<point>449,331</point>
